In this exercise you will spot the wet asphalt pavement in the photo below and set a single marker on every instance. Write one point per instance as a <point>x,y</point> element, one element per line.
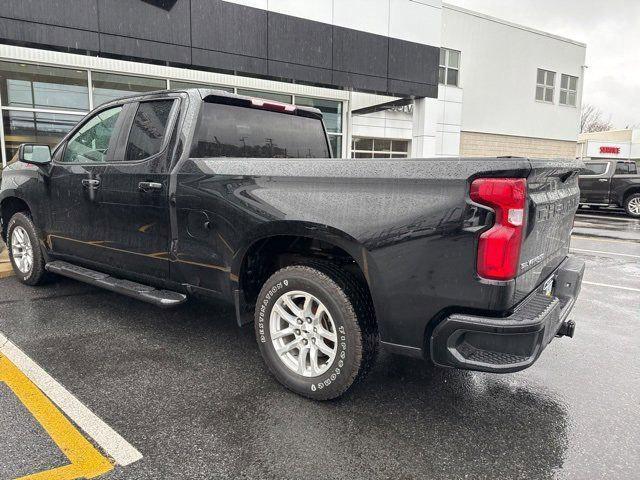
<point>188,389</point>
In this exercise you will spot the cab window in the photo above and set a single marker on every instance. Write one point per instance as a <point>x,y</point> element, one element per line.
<point>90,144</point>
<point>625,168</point>
<point>594,169</point>
<point>148,129</point>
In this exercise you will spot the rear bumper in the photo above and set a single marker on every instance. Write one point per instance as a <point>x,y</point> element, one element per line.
<point>512,343</point>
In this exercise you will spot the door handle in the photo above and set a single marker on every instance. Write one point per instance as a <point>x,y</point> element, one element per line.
<point>90,183</point>
<point>149,186</point>
<point>603,179</point>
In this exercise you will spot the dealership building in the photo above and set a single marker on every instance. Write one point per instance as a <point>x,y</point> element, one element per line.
<point>393,78</point>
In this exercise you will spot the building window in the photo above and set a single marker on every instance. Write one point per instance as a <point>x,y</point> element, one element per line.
<point>42,87</point>
<point>278,97</point>
<point>332,117</point>
<point>568,90</point>
<point>379,148</point>
<point>41,104</point>
<point>32,127</point>
<point>180,84</point>
<point>449,72</point>
<point>109,86</point>
<point>545,85</point>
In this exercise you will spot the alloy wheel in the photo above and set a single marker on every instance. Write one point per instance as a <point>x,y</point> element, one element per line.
<point>303,333</point>
<point>22,250</point>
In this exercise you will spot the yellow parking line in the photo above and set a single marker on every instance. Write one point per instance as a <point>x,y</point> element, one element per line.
<point>86,460</point>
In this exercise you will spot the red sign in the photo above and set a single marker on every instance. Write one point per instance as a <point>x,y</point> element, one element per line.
<point>614,150</point>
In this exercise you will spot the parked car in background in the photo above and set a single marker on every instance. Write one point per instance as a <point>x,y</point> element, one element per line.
<point>611,183</point>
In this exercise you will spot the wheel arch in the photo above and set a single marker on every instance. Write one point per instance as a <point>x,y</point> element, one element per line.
<point>9,206</point>
<point>285,243</point>
<point>628,192</point>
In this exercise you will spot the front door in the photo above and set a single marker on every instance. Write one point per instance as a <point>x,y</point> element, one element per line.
<point>123,216</point>
<point>73,228</point>
<point>595,183</point>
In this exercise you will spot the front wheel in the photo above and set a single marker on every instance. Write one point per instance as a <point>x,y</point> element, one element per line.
<point>632,205</point>
<point>316,330</point>
<point>24,250</point>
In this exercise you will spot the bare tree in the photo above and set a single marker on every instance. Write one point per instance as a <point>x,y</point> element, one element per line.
<point>591,120</point>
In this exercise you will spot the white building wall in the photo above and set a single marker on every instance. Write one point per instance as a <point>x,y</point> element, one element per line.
<point>449,121</point>
<point>499,64</point>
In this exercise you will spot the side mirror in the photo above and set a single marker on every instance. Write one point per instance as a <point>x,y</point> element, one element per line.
<point>34,154</point>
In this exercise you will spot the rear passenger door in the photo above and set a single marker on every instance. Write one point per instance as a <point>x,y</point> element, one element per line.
<point>133,192</point>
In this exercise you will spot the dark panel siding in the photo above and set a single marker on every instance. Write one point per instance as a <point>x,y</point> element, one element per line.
<point>360,52</point>
<point>302,73</point>
<point>229,62</point>
<point>136,48</point>
<point>401,88</point>
<point>413,62</point>
<point>360,82</point>
<point>224,36</point>
<point>47,36</point>
<point>299,41</point>
<point>80,14</point>
<point>147,21</point>
<point>228,27</point>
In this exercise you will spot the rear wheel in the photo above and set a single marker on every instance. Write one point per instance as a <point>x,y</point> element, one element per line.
<point>632,205</point>
<point>316,330</point>
<point>24,250</point>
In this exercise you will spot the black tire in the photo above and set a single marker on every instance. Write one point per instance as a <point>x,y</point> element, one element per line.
<point>634,197</point>
<point>350,307</point>
<point>37,273</point>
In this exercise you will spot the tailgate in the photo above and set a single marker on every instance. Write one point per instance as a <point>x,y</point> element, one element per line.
<point>553,193</point>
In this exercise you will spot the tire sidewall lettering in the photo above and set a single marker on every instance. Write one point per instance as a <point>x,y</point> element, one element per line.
<point>264,307</point>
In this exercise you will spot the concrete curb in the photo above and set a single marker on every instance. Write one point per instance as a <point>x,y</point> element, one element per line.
<point>5,264</point>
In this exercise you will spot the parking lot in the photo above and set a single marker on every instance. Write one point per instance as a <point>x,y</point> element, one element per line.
<point>187,390</point>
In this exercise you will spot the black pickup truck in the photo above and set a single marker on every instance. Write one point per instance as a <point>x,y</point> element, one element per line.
<point>202,193</point>
<point>611,183</point>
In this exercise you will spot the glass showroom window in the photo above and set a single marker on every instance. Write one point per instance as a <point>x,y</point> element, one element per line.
<point>449,72</point>
<point>109,86</point>
<point>379,148</point>
<point>568,90</point>
<point>545,85</point>
<point>40,104</point>
<point>332,117</point>
<point>184,84</point>
<point>277,97</point>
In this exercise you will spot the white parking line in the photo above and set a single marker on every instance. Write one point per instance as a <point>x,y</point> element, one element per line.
<point>588,238</point>
<point>108,439</point>
<point>605,217</point>
<point>612,286</point>
<point>606,253</point>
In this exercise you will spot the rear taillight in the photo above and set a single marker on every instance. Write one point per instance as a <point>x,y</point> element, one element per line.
<point>499,247</point>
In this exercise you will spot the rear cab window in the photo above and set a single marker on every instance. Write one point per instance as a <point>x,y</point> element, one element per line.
<point>626,168</point>
<point>229,130</point>
<point>148,129</point>
<point>594,169</point>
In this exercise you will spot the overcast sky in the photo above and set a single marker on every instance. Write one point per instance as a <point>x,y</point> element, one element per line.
<point>611,30</point>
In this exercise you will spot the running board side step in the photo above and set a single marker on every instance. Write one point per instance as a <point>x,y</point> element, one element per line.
<point>146,293</point>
